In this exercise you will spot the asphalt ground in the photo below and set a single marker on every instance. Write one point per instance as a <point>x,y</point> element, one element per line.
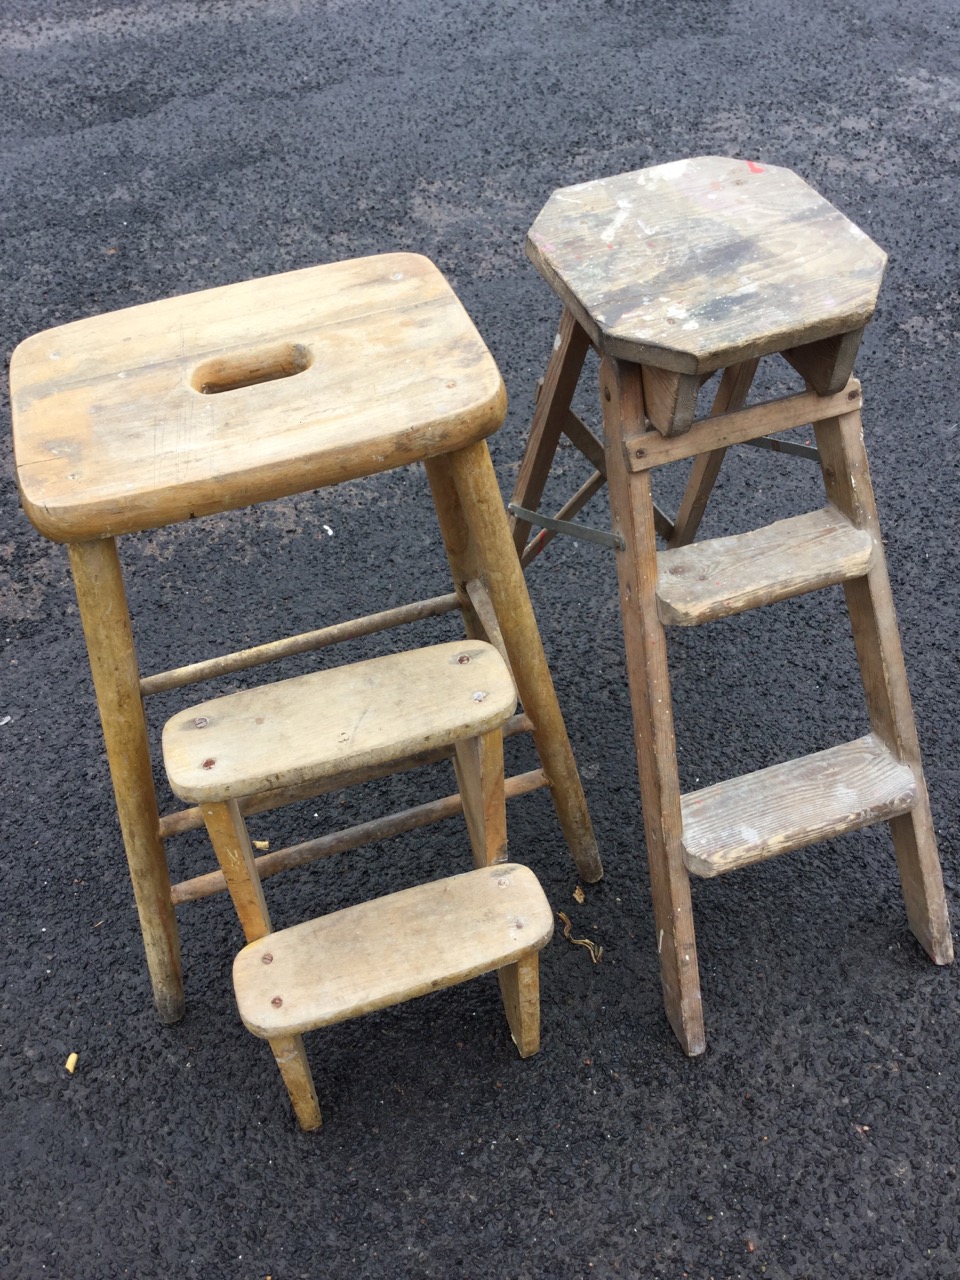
<point>150,150</point>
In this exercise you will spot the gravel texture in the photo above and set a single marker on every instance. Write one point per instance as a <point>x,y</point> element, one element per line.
<point>154,149</point>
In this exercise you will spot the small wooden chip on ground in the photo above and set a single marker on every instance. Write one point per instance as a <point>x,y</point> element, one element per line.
<point>596,952</point>
<point>71,1062</point>
<point>578,895</point>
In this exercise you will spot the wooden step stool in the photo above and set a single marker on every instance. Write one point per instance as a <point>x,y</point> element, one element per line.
<point>331,725</point>
<point>671,274</point>
<point>181,408</point>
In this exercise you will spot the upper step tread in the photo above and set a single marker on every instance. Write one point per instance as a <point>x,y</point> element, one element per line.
<point>391,949</point>
<point>787,806</point>
<point>334,721</point>
<point>723,576</point>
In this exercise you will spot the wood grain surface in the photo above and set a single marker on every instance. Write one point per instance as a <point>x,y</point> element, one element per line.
<point>787,806</point>
<point>723,576</point>
<point>701,263</point>
<point>336,721</point>
<point>390,949</point>
<point>213,400</point>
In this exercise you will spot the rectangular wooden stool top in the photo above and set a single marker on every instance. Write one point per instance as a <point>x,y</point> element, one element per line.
<point>214,400</point>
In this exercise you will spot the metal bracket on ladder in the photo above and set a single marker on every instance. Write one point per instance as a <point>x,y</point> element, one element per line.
<point>784,446</point>
<point>568,528</point>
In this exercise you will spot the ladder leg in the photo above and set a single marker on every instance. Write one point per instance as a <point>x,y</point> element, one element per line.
<point>479,767</point>
<point>559,383</point>
<point>873,619</point>
<point>292,1060</point>
<point>731,395</point>
<point>631,504</point>
<point>477,540</point>
<point>520,990</point>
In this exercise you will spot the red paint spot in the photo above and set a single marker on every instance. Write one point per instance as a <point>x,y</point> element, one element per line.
<point>754,167</point>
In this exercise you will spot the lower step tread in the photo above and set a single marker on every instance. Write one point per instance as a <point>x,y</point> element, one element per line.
<point>748,819</point>
<point>391,949</point>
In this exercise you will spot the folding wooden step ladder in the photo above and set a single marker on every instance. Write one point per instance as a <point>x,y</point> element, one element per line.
<point>671,274</point>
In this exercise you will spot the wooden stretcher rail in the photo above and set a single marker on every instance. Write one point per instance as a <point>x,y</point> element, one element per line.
<point>298,855</point>
<point>307,642</point>
<point>653,450</point>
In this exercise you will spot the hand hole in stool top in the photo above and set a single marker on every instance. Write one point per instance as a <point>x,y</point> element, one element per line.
<point>249,368</point>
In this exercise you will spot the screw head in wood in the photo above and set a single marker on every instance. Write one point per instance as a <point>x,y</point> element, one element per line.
<point>201,722</point>
<point>209,762</point>
<point>277,1001</point>
<point>266,958</point>
<point>463,659</point>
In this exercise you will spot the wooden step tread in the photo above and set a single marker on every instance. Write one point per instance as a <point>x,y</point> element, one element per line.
<point>759,815</point>
<point>331,722</point>
<point>723,576</point>
<point>392,949</point>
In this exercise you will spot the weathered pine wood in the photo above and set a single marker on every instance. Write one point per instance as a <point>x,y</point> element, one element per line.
<point>231,843</point>
<point>292,1060</point>
<point>559,383</point>
<point>486,615</point>
<point>347,838</point>
<point>701,263</point>
<point>478,762</point>
<point>390,950</point>
<point>520,992</point>
<point>846,475</point>
<point>190,819</point>
<point>724,576</point>
<point>330,722</point>
<point>670,399</point>
<point>478,545</point>
<point>114,433</point>
<point>650,449</point>
<point>731,395</point>
<point>631,504</point>
<point>826,365</point>
<point>580,435</point>
<point>102,599</point>
<point>759,815</point>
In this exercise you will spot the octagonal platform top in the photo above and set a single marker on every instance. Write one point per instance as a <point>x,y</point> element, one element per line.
<point>695,265</point>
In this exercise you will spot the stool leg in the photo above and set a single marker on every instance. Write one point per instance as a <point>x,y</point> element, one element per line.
<point>559,384</point>
<point>231,843</point>
<point>631,503</point>
<point>520,990</point>
<point>479,767</point>
<point>873,619</point>
<point>105,616</point>
<point>474,527</point>
<point>292,1060</point>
